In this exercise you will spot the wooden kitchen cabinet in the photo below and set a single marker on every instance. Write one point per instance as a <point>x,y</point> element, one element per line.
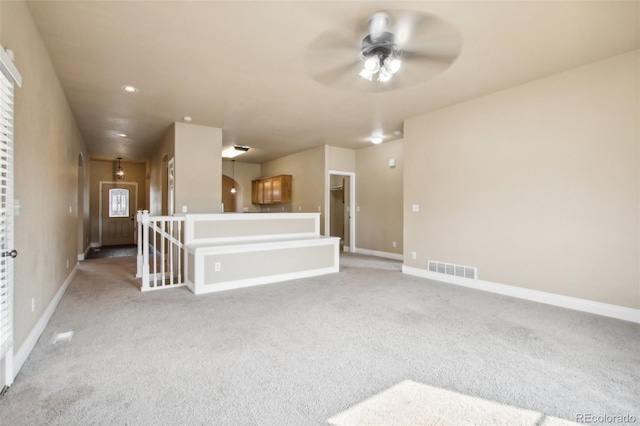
<point>272,190</point>
<point>267,191</point>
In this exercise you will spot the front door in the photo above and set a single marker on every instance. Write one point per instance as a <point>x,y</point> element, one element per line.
<point>118,213</point>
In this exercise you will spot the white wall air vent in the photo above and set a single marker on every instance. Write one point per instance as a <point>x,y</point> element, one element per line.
<point>451,269</point>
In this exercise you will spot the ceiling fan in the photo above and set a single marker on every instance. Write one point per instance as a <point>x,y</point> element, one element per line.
<point>394,49</point>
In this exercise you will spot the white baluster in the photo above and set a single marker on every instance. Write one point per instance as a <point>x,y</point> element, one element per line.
<point>139,231</point>
<point>163,243</point>
<point>180,251</point>
<point>145,250</point>
<point>171,250</point>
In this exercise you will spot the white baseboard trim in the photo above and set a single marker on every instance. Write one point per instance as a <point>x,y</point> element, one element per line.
<point>386,255</point>
<point>251,282</point>
<point>83,256</point>
<point>583,305</point>
<point>23,353</point>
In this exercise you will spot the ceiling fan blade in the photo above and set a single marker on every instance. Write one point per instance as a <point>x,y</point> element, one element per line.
<point>334,75</point>
<point>335,40</point>
<point>424,32</point>
<point>446,57</point>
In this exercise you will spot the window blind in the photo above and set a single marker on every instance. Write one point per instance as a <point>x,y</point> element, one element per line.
<point>8,75</point>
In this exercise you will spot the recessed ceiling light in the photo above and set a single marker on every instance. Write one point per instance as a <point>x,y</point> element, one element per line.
<point>130,89</point>
<point>376,140</point>
<point>122,135</point>
<point>187,119</point>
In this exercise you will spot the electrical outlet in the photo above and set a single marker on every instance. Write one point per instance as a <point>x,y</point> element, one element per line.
<point>184,209</point>
<point>67,263</point>
<point>33,304</point>
<point>357,208</point>
<point>414,255</point>
<point>217,266</point>
<point>393,244</point>
<point>319,208</point>
<point>415,208</point>
<point>283,209</point>
<point>70,209</point>
<point>299,208</point>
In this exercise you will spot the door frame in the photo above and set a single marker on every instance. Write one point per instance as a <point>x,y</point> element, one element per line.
<point>135,206</point>
<point>171,182</point>
<point>352,203</point>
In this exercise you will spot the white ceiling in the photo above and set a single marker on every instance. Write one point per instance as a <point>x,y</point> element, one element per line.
<point>240,65</point>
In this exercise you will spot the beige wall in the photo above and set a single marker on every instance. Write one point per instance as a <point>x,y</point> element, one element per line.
<point>47,147</point>
<point>341,159</point>
<point>537,186</point>
<point>244,174</point>
<point>308,170</point>
<point>104,171</point>
<point>379,196</point>
<point>198,168</point>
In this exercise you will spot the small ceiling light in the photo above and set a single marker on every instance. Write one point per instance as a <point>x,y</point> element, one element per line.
<point>122,135</point>
<point>392,64</point>
<point>376,140</point>
<point>372,64</point>
<point>119,170</point>
<point>130,89</point>
<point>366,74</point>
<point>384,75</point>
<point>233,173</point>
<point>234,151</point>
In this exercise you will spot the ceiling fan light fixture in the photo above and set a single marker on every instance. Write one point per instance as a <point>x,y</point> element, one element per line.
<point>379,52</point>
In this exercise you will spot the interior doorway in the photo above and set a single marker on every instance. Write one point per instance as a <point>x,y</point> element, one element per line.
<point>118,207</point>
<point>340,218</point>
<point>230,199</point>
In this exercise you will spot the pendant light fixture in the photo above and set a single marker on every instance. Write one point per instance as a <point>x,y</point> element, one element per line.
<point>119,170</point>
<point>233,173</point>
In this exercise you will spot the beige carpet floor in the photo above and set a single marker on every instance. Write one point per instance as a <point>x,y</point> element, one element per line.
<point>367,345</point>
